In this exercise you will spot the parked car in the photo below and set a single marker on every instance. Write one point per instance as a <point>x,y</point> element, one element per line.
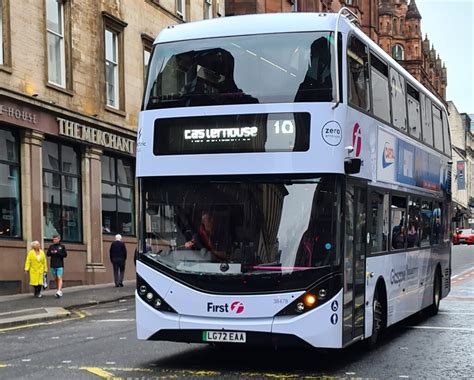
<point>463,236</point>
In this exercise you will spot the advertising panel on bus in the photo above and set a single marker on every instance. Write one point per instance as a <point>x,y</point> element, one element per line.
<point>405,163</point>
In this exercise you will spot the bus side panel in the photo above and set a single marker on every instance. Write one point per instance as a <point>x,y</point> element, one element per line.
<point>408,278</point>
<point>321,327</point>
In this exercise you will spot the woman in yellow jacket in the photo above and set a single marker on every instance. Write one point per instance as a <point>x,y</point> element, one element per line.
<point>36,265</point>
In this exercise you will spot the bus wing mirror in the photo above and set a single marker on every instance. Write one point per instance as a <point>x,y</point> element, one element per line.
<point>352,165</point>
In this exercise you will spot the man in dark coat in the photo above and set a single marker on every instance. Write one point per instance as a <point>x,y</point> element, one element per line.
<point>118,256</point>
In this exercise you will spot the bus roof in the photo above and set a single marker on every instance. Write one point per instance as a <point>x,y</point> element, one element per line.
<point>252,24</point>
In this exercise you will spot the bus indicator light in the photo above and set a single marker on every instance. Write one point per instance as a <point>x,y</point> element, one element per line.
<point>309,300</point>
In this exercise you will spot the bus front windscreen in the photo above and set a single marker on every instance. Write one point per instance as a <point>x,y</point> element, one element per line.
<point>268,68</point>
<point>242,236</point>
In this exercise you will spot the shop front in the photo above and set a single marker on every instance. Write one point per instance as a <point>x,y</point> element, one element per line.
<point>67,174</point>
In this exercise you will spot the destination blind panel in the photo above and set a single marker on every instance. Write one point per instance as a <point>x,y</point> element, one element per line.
<point>262,132</point>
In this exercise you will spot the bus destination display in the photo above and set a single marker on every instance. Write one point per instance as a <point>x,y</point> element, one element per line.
<point>263,132</point>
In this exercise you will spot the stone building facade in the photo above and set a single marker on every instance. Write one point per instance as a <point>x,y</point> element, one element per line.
<point>71,82</point>
<point>462,140</point>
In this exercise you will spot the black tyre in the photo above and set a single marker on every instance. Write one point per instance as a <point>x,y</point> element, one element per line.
<point>433,309</point>
<point>378,319</point>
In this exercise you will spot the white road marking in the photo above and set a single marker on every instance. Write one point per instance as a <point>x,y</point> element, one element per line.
<point>55,337</point>
<point>117,311</point>
<point>26,360</point>
<point>21,337</point>
<point>110,363</point>
<point>66,361</point>
<point>90,337</point>
<point>441,328</point>
<point>404,377</point>
<point>123,337</point>
<point>350,373</point>
<point>114,320</point>
<point>122,301</point>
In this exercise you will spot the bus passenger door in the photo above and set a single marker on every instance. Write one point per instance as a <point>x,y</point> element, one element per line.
<point>354,260</point>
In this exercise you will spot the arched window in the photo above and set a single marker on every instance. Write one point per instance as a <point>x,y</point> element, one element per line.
<point>398,52</point>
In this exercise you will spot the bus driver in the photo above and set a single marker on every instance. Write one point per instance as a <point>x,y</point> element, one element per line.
<point>206,238</point>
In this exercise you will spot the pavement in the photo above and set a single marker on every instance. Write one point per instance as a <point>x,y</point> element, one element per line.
<point>25,309</point>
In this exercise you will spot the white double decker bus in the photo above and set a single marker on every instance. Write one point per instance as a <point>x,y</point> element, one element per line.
<point>289,195</point>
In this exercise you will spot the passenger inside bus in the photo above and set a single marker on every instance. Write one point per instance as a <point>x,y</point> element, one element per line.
<point>398,236</point>
<point>317,83</point>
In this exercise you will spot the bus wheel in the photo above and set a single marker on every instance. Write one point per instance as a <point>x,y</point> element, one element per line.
<point>377,319</point>
<point>433,309</point>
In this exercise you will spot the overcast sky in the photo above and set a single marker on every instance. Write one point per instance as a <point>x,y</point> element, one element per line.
<point>450,28</point>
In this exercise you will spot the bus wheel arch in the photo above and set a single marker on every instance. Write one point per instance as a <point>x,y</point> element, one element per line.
<point>379,313</point>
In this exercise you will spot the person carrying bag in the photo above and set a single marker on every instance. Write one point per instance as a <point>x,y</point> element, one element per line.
<point>36,266</point>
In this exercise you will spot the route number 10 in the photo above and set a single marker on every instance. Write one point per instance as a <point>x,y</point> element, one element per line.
<point>284,126</point>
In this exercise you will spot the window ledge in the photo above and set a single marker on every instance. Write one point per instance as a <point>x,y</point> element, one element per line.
<point>60,89</point>
<point>116,111</point>
<point>6,68</point>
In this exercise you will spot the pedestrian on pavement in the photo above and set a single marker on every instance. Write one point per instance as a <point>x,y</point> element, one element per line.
<point>118,256</point>
<point>36,266</point>
<point>57,252</point>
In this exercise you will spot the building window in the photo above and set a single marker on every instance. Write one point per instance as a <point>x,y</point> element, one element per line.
<point>111,68</point>
<point>118,209</point>
<point>5,53</point>
<point>147,48</point>
<point>10,203</point>
<point>358,76</point>
<point>2,44</point>
<point>207,9</point>
<point>55,37</point>
<point>181,8</point>
<point>113,55</point>
<point>61,192</point>
<point>398,52</point>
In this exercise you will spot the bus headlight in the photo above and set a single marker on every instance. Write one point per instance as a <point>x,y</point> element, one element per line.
<point>150,296</point>
<point>314,297</point>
